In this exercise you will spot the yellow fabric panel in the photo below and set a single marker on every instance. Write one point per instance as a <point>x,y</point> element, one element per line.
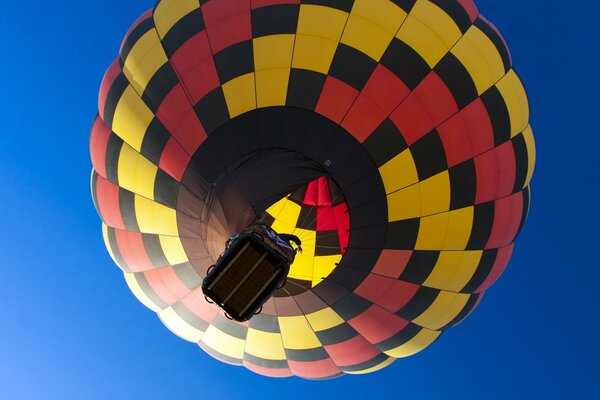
<point>297,333</point>
<point>435,194</point>
<point>366,37</point>
<point>135,288</point>
<point>144,59</point>
<point>399,172</point>
<point>155,218</point>
<point>324,319</point>
<point>168,12</point>
<point>436,19</point>
<point>289,213</point>
<point>460,223</point>
<point>423,39</point>
<point>314,53</point>
<point>373,369</point>
<point>271,87</point>
<point>323,265</point>
<point>404,204</point>
<point>240,94</point>
<point>107,242</point>
<point>224,343</point>
<point>303,267</point>
<point>132,118</point>
<point>444,309</point>
<point>515,97</point>
<point>453,270</point>
<point>274,51</point>
<point>321,21</point>
<point>421,340</point>
<point>265,345</point>
<point>136,173</point>
<point>480,57</point>
<point>384,13</point>
<point>179,327</point>
<point>432,232</point>
<point>173,249</point>
<point>309,239</point>
<point>531,153</point>
<point>276,208</point>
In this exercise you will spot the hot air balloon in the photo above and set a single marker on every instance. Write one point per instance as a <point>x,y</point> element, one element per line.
<point>392,137</point>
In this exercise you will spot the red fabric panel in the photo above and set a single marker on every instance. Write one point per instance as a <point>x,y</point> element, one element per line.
<point>197,304</point>
<point>142,18</point>
<point>363,118</point>
<point>216,11</point>
<point>109,77</point>
<point>486,170</point>
<point>398,296</point>
<point>287,306</point>
<point>437,99</point>
<point>98,142</point>
<point>231,30</point>
<point>507,169</point>
<point>195,66</point>
<point>479,126</point>
<point>323,195</point>
<point>166,284</point>
<point>470,8</point>
<point>326,219</point>
<point>174,160</point>
<point>498,268</point>
<point>272,372</point>
<point>108,203</point>
<point>343,225</point>
<point>133,251</point>
<point>507,219</point>
<point>311,196</point>
<point>314,369</point>
<point>456,140</point>
<point>336,99</point>
<point>361,351</point>
<point>377,324</point>
<point>411,119</point>
<point>374,287</point>
<point>385,89</point>
<point>181,120</point>
<point>392,263</point>
<point>264,3</point>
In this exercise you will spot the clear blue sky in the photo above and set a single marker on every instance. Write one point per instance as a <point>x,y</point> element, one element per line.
<point>70,328</point>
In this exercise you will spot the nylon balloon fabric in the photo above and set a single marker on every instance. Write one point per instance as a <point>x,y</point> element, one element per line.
<point>391,136</point>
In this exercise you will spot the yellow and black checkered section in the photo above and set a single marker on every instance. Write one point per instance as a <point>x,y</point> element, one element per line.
<point>412,131</point>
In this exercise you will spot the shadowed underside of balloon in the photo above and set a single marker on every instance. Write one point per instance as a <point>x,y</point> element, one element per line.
<point>391,136</point>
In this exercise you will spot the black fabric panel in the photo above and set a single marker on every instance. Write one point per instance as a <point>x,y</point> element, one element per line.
<point>112,241</point>
<point>127,207</point>
<point>429,155</point>
<point>304,88</point>
<point>113,150</point>
<point>318,135</point>
<point>418,304</point>
<point>385,143</point>
<point>521,161</point>
<point>330,292</point>
<point>405,63</point>
<point>166,189</point>
<point>456,12</point>
<point>483,222</point>
<point>348,278</point>
<point>155,140</point>
<point>402,235</point>
<point>463,185</point>
<point>351,66</point>
<point>410,331</point>
<point>526,199</point>
<point>483,270</point>
<point>293,287</point>
<point>337,334</point>
<point>361,259</point>
<point>182,311</point>
<point>375,361</point>
<point>376,212</point>
<point>368,238</point>
<point>344,5</point>
<point>212,110</point>
<point>306,355</point>
<point>159,86</point>
<point>154,250</point>
<point>295,124</point>
<point>265,363</point>
<point>135,35</point>
<point>351,306</point>
<point>353,169</point>
<point>497,40</point>
<point>327,243</point>
<point>182,31</point>
<point>406,5</point>
<point>275,19</point>
<point>419,266</point>
<point>112,98</point>
<point>235,60</point>
<point>498,112</point>
<point>265,323</point>
<point>457,78</point>
<point>229,327</point>
<point>308,218</point>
